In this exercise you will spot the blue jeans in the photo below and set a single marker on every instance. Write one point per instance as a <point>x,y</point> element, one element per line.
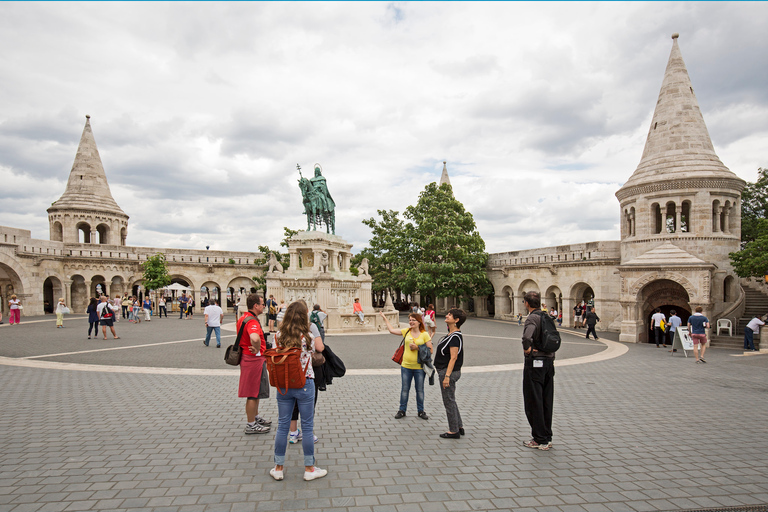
<point>749,339</point>
<point>406,374</point>
<point>217,330</point>
<point>305,398</point>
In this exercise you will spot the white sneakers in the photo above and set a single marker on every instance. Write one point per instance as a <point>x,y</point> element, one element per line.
<point>308,475</point>
<point>317,473</point>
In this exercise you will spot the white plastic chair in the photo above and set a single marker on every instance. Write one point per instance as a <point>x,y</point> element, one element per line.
<point>725,324</point>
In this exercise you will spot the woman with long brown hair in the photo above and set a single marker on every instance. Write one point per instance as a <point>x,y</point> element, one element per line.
<point>294,333</point>
<point>410,369</point>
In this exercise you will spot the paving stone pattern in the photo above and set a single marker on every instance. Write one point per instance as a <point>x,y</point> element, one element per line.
<point>645,431</point>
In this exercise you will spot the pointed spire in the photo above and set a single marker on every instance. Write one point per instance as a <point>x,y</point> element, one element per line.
<point>678,141</point>
<point>444,177</point>
<point>87,188</point>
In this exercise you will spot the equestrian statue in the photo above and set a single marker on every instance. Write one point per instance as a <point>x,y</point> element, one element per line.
<point>318,203</point>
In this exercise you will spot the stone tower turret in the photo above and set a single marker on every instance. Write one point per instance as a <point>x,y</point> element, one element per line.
<point>444,177</point>
<point>86,211</point>
<point>681,191</point>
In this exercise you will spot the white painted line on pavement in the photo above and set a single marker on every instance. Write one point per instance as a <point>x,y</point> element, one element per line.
<point>119,348</point>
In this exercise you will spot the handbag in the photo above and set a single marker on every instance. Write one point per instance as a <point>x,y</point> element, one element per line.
<point>398,357</point>
<point>65,311</point>
<point>318,359</point>
<point>235,352</point>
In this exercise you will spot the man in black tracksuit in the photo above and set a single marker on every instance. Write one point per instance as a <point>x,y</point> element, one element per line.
<point>591,319</point>
<point>538,378</point>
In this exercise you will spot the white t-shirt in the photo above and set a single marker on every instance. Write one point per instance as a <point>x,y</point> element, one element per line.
<point>657,318</point>
<point>14,303</point>
<point>214,315</point>
<point>755,324</point>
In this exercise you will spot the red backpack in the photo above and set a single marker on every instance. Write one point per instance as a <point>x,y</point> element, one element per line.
<point>284,367</point>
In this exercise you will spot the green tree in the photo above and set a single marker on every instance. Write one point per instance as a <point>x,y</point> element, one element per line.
<point>438,252</point>
<point>448,253</point>
<point>155,272</point>
<point>752,259</point>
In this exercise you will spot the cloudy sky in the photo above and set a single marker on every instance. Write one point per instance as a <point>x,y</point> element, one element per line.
<point>201,111</point>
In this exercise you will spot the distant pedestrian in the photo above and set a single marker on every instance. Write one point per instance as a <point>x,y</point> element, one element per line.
<point>697,324</point>
<point>190,308</point>
<point>449,358</point>
<point>657,324</point>
<point>93,318</point>
<point>673,324</point>
<point>752,328</point>
<point>538,378</point>
<point>161,309</point>
<point>519,319</point>
<point>591,320</point>
<point>124,303</point>
<point>106,312</point>
<point>410,369</point>
<point>136,308</point>
<point>271,313</point>
<point>429,320</point>
<point>147,309</point>
<point>577,312</point>
<point>118,303</point>
<point>281,312</point>
<point>60,308</point>
<point>183,301</point>
<point>14,317</point>
<point>317,318</point>
<point>213,318</point>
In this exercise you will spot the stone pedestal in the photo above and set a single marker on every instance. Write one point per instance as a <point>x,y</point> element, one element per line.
<point>319,274</point>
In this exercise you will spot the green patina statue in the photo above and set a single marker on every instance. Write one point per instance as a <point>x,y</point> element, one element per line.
<point>318,203</point>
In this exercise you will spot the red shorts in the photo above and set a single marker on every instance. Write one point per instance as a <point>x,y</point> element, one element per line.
<point>699,339</point>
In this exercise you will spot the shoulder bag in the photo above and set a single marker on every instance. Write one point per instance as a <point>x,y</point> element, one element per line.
<point>235,352</point>
<point>398,357</point>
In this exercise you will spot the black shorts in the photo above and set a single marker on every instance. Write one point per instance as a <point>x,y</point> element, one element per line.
<point>108,322</point>
<point>271,317</point>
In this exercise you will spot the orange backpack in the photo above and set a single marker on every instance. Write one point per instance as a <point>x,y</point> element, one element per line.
<point>284,367</point>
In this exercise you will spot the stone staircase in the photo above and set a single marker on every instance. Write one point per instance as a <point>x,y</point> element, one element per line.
<point>756,305</point>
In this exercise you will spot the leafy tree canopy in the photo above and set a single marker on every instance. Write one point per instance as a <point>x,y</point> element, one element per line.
<point>435,250</point>
<point>155,272</point>
<point>752,260</point>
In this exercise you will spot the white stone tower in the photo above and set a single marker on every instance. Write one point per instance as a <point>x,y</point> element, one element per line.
<point>86,211</point>
<point>444,177</point>
<point>680,213</point>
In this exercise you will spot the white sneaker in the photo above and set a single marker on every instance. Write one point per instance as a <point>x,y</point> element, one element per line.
<point>317,473</point>
<point>278,475</point>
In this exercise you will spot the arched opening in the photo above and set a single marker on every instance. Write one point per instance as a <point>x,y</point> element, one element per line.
<point>84,233</point>
<point>656,221</point>
<point>685,218</point>
<point>505,304</point>
<point>210,290</point>
<point>670,222</point>
<point>727,289</point>
<point>490,305</point>
<point>553,299</point>
<point>98,286</point>
<point>103,231</point>
<point>52,292</point>
<point>241,286</point>
<point>665,295</point>
<point>123,236</point>
<point>58,232</point>
<point>9,284</point>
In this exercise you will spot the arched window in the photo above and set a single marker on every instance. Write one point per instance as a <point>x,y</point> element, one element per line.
<point>103,231</point>
<point>656,220</point>
<point>84,233</point>
<point>58,232</point>
<point>670,223</point>
<point>727,284</point>
<point>685,216</point>
<point>123,236</point>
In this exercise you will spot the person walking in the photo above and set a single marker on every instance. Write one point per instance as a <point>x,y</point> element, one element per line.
<point>60,308</point>
<point>106,313</point>
<point>752,328</point>
<point>317,318</point>
<point>697,325</point>
<point>410,369</point>
<point>591,320</point>
<point>161,309</point>
<point>136,307</point>
<point>657,321</point>
<point>147,305</point>
<point>449,357</point>
<point>674,323</point>
<point>93,318</point>
<point>214,315</point>
<point>538,378</point>
<point>429,320</point>
<point>295,333</point>
<point>14,316</point>
<point>252,365</point>
<point>183,301</point>
<point>271,313</point>
<point>118,303</point>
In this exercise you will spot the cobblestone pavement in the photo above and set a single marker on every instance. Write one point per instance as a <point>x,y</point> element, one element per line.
<point>644,431</point>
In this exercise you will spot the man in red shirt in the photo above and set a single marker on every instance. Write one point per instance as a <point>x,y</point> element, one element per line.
<point>252,364</point>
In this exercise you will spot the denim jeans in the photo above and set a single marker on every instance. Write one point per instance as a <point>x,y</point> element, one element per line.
<point>749,339</point>
<point>406,374</point>
<point>217,330</point>
<point>305,398</point>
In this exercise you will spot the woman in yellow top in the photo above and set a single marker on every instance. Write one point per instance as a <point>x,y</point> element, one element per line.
<point>410,369</point>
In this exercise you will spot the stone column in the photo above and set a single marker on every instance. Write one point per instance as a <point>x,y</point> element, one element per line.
<point>726,222</point>
<point>632,224</point>
<point>331,260</point>
<point>481,309</point>
<point>68,294</point>
<point>94,234</point>
<point>345,258</point>
<point>568,304</point>
<point>678,218</point>
<point>294,259</point>
<point>501,303</point>
<point>716,220</point>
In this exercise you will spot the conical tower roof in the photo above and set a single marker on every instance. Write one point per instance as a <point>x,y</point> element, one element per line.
<point>678,143</point>
<point>444,177</point>
<point>87,188</point>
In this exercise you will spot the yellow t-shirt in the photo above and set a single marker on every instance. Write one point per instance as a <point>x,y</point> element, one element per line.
<point>411,357</point>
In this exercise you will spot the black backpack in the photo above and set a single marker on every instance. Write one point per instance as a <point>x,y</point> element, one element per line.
<point>549,338</point>
<point>315,319</point>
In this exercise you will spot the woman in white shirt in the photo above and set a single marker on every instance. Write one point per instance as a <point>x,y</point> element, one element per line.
<point>15,305</point>
<point>60,308</point>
